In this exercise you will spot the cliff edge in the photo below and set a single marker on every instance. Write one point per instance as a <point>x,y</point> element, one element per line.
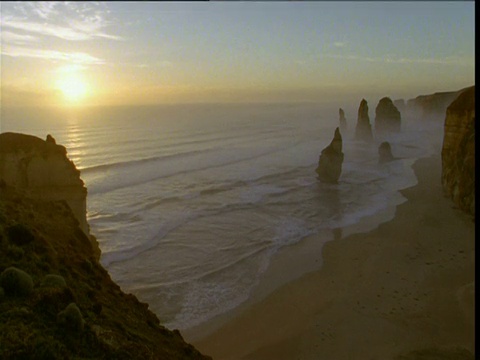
<point>458,151</point>
<point>42,170</point>
<point>432,106</point>
<point>56,300</point>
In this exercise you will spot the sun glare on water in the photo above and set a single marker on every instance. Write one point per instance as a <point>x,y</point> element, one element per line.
<point>73,88</point>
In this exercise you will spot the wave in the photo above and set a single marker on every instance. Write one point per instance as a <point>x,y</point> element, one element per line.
<point>133,163</point>
<point>193,161</point>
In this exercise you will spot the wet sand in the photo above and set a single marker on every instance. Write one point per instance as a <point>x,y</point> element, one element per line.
<point>406,286</point>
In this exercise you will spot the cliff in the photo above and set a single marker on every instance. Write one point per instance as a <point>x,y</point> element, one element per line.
<point>431,106</point>
<point>56,300</point>
<point>458,151</point>
<point>42,170</point>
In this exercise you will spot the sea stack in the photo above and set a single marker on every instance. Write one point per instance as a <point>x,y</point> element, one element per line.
<point>385,152</point>
<point>330,162</point>
<point>387,116</point>
<point>363,131</point>
<point>343,121</point>
<point>458,151</point>
<point>41,170</point>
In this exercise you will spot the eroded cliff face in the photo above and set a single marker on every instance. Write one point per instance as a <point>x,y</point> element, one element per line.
<point>431,106</point>
<point>458,151</point>
<point>42,170</point>
<point>56,299</point>
<point>42,240</point>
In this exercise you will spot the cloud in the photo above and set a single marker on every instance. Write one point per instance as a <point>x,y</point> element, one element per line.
<point>13,38</point>
<point>33,25</point>
<point>74,21</point>
<point>77,31</point>
<point>77,57</point>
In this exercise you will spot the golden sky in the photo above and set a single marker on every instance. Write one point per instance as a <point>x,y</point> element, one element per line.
<point>106,53</point>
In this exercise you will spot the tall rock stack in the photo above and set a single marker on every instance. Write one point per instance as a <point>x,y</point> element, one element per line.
<point>458,152</point>
<point>330,162</point>
<point>42,170</point>
<point>343,120</point>
<point>387,116</point>
<point>363,131</point>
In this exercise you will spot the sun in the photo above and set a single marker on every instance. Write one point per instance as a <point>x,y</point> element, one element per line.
<point>73,87</point>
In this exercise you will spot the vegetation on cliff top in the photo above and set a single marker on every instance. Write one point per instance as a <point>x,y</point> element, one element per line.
<point>73,310</point>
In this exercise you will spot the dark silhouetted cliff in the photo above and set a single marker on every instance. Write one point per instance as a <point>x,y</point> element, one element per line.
<point>56,300</point>
<point>458,152</point>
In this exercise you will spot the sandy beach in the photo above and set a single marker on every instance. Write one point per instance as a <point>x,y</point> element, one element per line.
<point>402,291</point>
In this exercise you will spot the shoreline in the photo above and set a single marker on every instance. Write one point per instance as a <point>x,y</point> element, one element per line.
<point>411,277</point>
<point>300,258</point>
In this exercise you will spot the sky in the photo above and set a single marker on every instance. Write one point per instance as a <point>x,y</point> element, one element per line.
<point>133,53</point>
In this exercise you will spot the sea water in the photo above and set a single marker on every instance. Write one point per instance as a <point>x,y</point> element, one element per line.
<point>189,203</point>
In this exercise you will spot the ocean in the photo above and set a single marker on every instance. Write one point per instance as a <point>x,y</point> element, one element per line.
<point>190,203</point>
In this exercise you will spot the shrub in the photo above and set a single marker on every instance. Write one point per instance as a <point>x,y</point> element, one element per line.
<point>19,234</point>
<point>16,282</point>
<point>71,318</point>
<point>52,280</point>
<point>2,293</point>
<point>15,252</point>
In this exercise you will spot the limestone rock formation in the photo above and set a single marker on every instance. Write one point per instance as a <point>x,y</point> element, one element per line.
<point>431,106</point>
<point>363,131</point>
<point>50,139</point>
<point>42,170</point>
<point>385,152</point>
<point>387,116</point>
<point>458,151</point>
<point>330,162</point>
<point>343,120</point>
<point>47,262</point>
<point>106,324</point>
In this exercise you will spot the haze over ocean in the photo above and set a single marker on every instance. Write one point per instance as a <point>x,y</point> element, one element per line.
<point>190,203</point>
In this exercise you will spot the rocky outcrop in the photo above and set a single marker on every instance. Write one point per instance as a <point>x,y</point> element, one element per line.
<point>106,324</point>
<point>56,299</point>
<point>458,151</point>
<point>387,116</point>
<point>330,162</point>
<point>42,170</point>
<point>343,120</point>
<point>431,106</point>
<point>363,130</point>
<point>385,152</point>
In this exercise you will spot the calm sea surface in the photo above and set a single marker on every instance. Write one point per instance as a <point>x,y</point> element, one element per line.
<point>189,203</point>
